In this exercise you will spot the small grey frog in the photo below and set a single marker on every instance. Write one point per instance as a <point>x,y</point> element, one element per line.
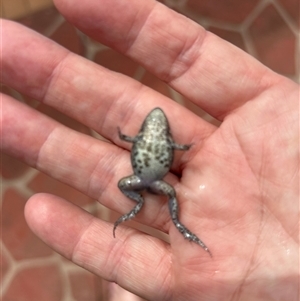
<point>151,159</point>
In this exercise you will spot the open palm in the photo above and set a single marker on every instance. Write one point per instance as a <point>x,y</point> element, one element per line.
<point>238,185</point>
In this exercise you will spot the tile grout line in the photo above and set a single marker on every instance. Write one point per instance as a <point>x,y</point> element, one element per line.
<point>54,26</point>
<point>10,274</point>
<point>285,16</point>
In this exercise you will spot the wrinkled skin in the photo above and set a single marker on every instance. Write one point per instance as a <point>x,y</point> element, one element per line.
<point>239,182</point>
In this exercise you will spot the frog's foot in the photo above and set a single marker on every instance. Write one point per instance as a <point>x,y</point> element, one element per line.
<point>187,234</point>
<point>129,215</point>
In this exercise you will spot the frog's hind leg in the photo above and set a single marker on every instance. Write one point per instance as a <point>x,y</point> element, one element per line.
<point>161,187</point>
<point>128,186</point>
<point>131,214</point>
<point>173,206</point>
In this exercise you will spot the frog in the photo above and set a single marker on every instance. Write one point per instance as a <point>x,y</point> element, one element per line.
<point>152,156</point>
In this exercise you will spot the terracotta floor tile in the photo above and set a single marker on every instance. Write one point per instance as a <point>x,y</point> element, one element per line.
<point>36,283</point>
<point>30,101</point>
<point>116,62</point>
<point>6,90</point>
<point>19,96</point>
<point>155,83</point>
<point>41,20</point>
<point>274,41</point>
<point>44,183</point>
<point>292,7</point>
<point>4,266</point>
<point>14,9</point>
<point>233,37</point>
<point>12,168</point>
<point>16,235</point>
<point>66,36</point>
<point>233,11</point>
<point>84,286</point>
<point>201,113</point>
<point>39,4</point>
<point>63,119</point>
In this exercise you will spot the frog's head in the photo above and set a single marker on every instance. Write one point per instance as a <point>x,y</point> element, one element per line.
<point>156,119</point>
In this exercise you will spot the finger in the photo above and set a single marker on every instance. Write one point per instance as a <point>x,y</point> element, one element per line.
<point>209,71</point>
<point>94,167</point>
<point>88,242</point>
<point>86,91</point>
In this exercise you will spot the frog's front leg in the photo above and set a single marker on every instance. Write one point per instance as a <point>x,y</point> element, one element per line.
<point>182,147</point>
<point>161,187</point>
<point>129,187</point>
<point>125,137</point>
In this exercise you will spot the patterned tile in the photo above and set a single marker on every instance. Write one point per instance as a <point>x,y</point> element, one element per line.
<point>37,5</point>
<point>35,283</point>
<point>156,84</point>
<point>274,41</point>
<point>5,266</point>
<point>233,11</point>
<point>16,235</point>
<point>84,286</point>
<point>12,168</point>
<point>15,9</point>
<point>116,62</point>
<point>292,7</point>
<point>233,37</point>
<point>62,118</point>
<point>40,21</point>
<point>67,36</point>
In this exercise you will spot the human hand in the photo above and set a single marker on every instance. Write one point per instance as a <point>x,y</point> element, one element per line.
<point>238,189</point>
